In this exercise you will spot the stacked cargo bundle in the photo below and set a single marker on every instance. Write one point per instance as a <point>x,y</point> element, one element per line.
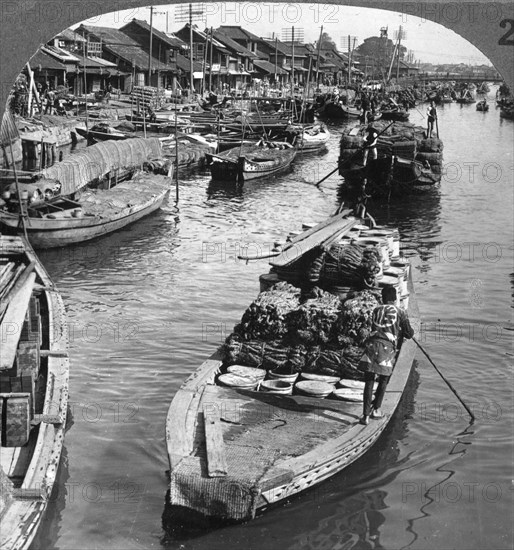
<point>147,96</point>
<point>401,139</point>
<point>315,333</point>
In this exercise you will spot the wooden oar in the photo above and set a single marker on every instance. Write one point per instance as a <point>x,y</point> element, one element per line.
<point>350,158</point>
<point>443,377</point>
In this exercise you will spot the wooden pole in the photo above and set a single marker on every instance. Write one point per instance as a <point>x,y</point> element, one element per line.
<point>276,60</point>
<point>176,157</point>
<point>318,54</point>
<point>210,62</point>
<point>446,381</point>
<point>191,85</point>
<point>398,55</point>
<point>150,49</point>
<point>22,206</point>
<point>85,80</point>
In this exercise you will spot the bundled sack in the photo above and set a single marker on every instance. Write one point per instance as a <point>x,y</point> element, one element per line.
<point>350,266</point>
<point>355,319</point>
<point>313,321</point>
<point>333,361</point>
<point>269,355</point>
<point>432,145</point>
<point>265,318</point>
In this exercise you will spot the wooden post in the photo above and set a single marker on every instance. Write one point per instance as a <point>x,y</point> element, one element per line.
<point>176,156</point>
<point>318,54</point>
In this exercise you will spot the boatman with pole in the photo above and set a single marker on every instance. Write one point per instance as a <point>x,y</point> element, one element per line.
<point>370,144</point>
<point>389,325</point>
<point>431,117</point>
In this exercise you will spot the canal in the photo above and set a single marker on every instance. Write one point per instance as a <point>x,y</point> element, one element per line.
<point>147,304</point>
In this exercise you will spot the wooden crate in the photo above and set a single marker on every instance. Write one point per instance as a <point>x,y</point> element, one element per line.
<point>15,419</point>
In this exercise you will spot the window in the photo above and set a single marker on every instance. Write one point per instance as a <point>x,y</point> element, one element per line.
<point>198,50</point>
<point>94,49</point>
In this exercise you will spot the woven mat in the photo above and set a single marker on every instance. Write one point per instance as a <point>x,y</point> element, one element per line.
<point>233,496</point>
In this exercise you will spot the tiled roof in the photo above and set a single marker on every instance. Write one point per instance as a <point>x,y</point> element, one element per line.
<point>238,33</point>
<point>268,67</point>
<point>70,35</point>
<point>46,61</point>
<point>233,45</point>
<point>124,47</point>
<point>170,39</point>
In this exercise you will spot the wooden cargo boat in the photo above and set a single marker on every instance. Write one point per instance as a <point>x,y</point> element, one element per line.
<point>234,452</point>
<point>102,134</point>
<point>483,106</point>
<point>407,161</point>
<point>34,374</point>
<point>251,162</point>
<point>312,138</point>
<point>338,111</point>
<point>63,221</point>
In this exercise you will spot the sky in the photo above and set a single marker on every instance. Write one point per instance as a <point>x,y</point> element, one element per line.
<point>430,42</point>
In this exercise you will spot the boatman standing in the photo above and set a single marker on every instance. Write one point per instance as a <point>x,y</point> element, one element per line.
<point>389,325</point>
<point>370,144</point>
<point>432,115</point>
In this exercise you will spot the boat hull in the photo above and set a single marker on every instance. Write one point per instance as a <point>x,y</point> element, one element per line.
<point>245,168</point>
<point>25,509</point>
<point>44,233</point>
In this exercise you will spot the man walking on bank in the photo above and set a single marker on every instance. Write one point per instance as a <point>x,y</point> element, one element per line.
<point>389,325</point>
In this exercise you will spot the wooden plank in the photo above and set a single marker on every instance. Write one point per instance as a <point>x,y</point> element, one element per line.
<point>47,418</point>
<point>29,493</point>
<point>338,228</point>
<point>14,317</point>
<point>52,353</point>
<point>216,459</point>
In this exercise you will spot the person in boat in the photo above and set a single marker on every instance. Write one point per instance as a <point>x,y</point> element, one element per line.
<point>390,325</point>
<point>370,144</point>
<point>151,114</point>
<point>431,117</point>
<point>365,108</point>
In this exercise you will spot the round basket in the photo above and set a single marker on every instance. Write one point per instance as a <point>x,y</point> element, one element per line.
<point>355,385</point>
<point>319,377</point>
<point>313,388</point>
<point>241,382</point>
<point>347,394</point>
<point>247,372</point>
<point>277,386</point>
<point>290,378</point>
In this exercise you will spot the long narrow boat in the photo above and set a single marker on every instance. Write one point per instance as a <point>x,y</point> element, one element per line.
<point>398,115</point>
<point>312,138</point>
<point>102,134</point>
<point>250,162</point>
<point>62,221</point>
<point>34,372</point>
<point>234,452</point>
<point>336,110</point>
